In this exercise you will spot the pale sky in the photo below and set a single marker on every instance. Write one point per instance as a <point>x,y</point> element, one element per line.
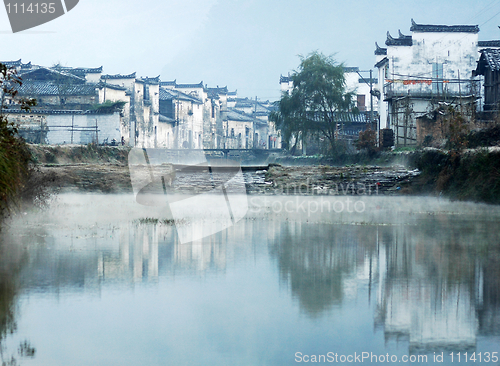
<point>245,45</point>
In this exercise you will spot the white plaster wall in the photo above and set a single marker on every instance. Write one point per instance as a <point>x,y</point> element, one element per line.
<point>382,105</point>
<point>165,135</point>
<point>112,95</point>
<point>239,128</point>
<point>127,83</point>
<point>93,78</point>
<point>361,88</point>
<point>287,87</point>
<point>59,126</point>
<point>456,51</point>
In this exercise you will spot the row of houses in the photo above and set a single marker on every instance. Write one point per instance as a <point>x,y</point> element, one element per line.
<point>83,105</point>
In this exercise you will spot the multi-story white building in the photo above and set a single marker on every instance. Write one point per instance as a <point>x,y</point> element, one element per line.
<point>434,64</point>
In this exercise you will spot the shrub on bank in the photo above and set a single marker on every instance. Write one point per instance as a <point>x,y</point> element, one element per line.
<point>470,175</point>
<point>14,163</point>
<point>14,155</point>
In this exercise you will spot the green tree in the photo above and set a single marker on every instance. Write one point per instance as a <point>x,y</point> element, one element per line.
<point>14,154</point>
<point>318,102</point>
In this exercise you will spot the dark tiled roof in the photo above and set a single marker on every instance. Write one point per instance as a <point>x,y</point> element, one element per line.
<point>217,90</point>
<point>285,79</point>
<point>381,62</point>
<point>189,86</point>
<point>26,66</point>
<point>119,76</point>
<point>83,70</point>
<point>490,59</point>
<point>46,74</point>
<point>443,28</point>
<point>101,85</point>
<point>251,103</point>
<point>168,83</point>
<point>11,63</point>
<point>51,111</point>
<point>168,94</point>
<point>155,80</point>
<point>94,70</point>
<point>401,41</point>
<point>493,43</point>
<point>235,115</point>
<point>234,93</point>
<point>33,88</point>
<point>351,69</point>
<point>367,80</point>
<point>379,50</point>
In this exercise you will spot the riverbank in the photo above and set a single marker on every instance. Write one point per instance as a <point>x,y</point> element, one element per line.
<point>468,175</point>
<point>105,169</point>
<point>471,175</point>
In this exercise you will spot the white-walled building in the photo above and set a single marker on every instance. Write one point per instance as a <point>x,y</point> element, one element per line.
<point>135,111</point>
<point>433,64</point>
<point>358,82</point>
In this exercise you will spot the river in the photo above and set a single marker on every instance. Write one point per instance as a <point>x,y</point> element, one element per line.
<point>98,279</point>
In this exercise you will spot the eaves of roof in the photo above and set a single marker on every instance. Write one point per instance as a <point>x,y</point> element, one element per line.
<point>443,28</point>
<point>382,62</point>
<point>119,76</point>
<point>493,43</point>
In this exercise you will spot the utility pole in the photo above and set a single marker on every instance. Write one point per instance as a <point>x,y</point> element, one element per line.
<point>96,133</point>
<point>255,143</point>
<point>72,126</point>
<point>371,100</point>
<point>371,97</point>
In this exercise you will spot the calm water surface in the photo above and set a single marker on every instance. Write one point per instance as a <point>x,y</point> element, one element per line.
<point>90,281</point>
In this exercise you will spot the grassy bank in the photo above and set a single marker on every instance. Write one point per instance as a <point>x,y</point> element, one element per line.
<point>14,166</point>
<point>468,175</point>
<point>78,154</point>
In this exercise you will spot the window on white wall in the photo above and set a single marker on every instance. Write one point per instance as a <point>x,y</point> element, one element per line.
<point>437,78</point>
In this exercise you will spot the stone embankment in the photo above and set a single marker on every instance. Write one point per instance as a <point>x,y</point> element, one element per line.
<point>326,180</point>
<point>105,169</point>
<point>466,175</point>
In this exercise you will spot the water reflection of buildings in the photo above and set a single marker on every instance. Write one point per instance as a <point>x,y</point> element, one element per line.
<point>85,260</point>
<point>435,285</point>
<point>435,288</point>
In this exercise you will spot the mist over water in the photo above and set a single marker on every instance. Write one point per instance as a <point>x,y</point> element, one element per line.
<point>100,279</point>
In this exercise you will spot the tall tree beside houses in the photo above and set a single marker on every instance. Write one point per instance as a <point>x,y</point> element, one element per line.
<point>318,102</point>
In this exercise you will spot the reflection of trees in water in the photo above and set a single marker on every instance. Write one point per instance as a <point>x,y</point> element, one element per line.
<point>489,309</point>
<point>12,259</point>
<point>316,260</point>
<point>438,281</point>
<point>7,303</point>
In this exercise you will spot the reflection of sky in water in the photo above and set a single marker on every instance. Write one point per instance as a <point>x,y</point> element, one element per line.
<point>105,289</point>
